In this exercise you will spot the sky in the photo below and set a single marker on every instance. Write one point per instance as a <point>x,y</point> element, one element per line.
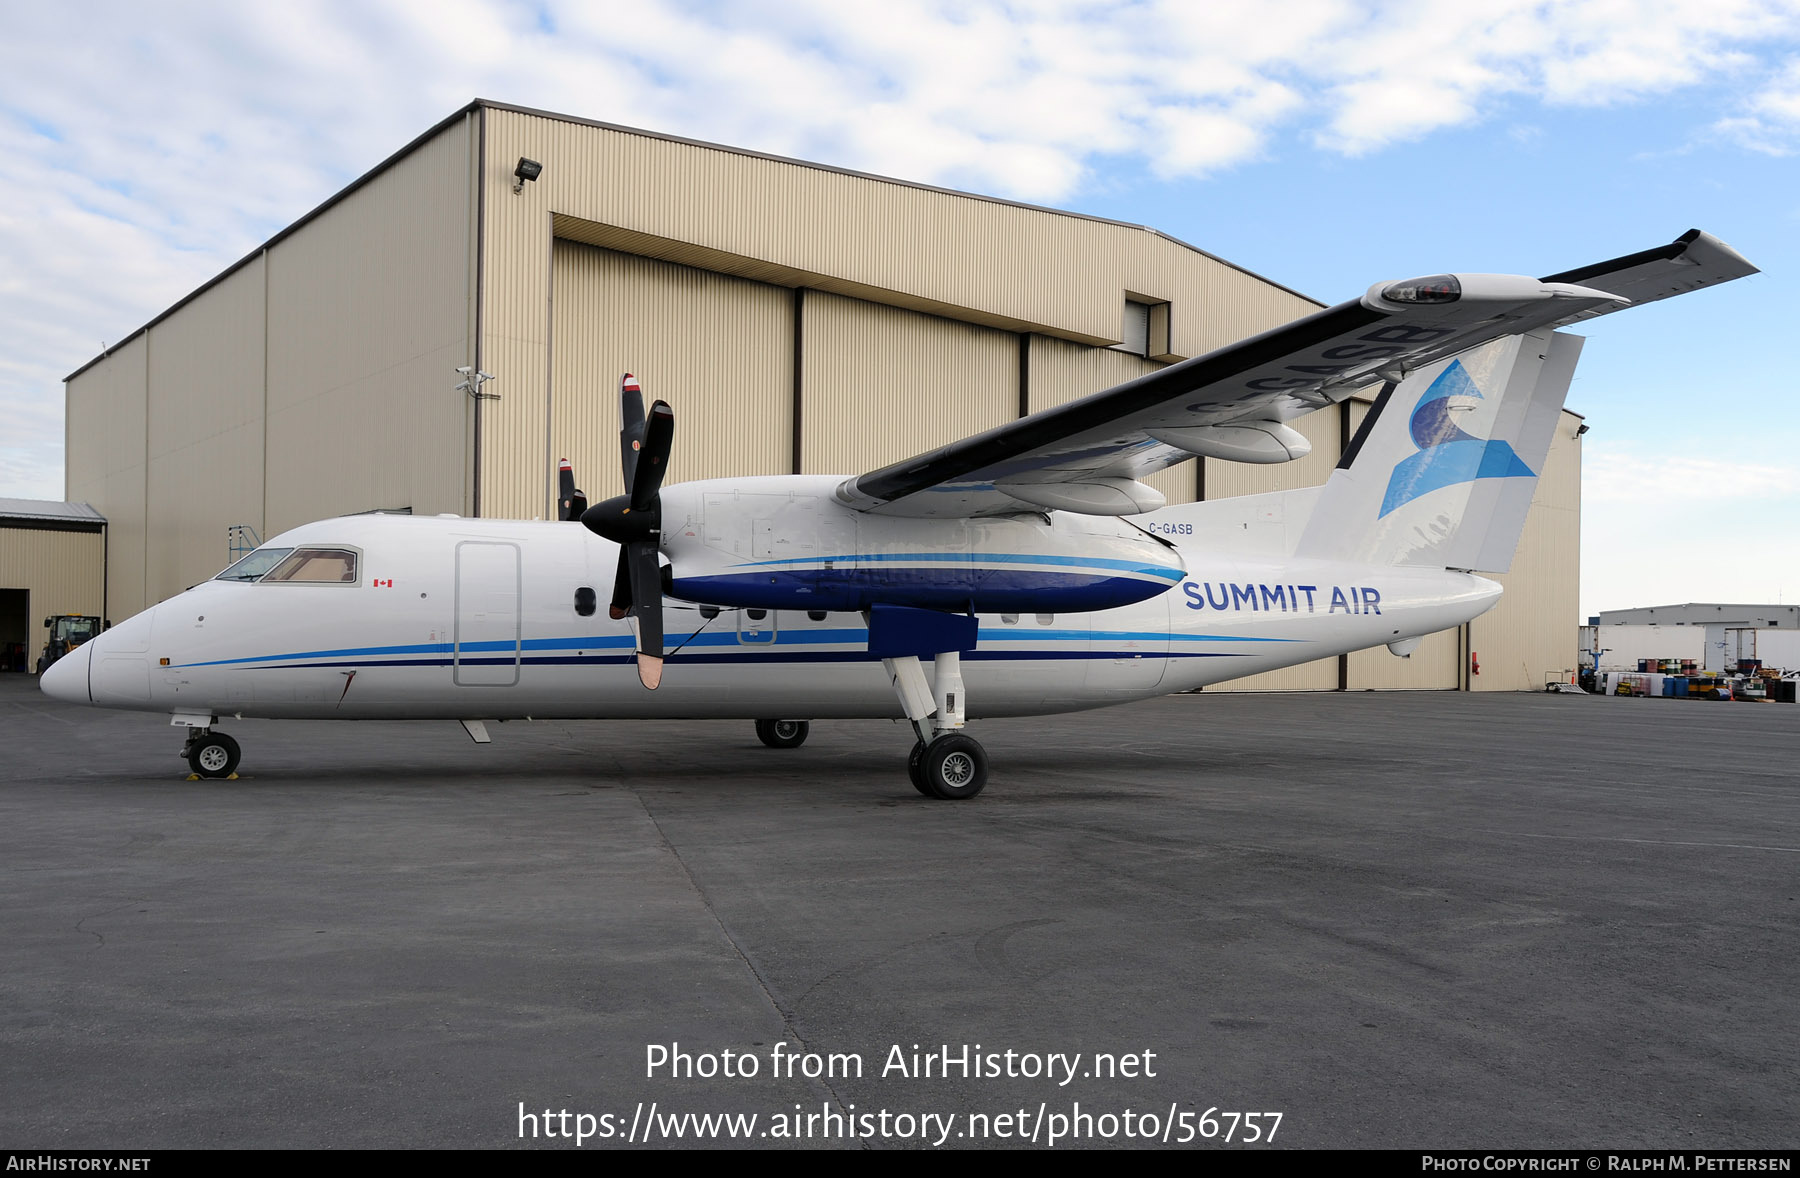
<point>1325,144</point>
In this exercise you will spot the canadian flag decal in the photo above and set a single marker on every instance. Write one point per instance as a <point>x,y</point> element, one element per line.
<point>388,584</point>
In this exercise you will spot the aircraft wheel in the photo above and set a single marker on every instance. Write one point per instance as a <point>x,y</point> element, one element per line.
<point>214,755</point>
<point>954,766</point>
<point>915,763</point>
<point>783,734</point>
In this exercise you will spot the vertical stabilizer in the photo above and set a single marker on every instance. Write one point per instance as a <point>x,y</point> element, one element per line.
<point>1442,472</point>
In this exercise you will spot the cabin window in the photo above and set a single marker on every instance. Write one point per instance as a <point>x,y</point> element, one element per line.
<point>252,567</point>
<point>584,601</point>
<point>329,566</point>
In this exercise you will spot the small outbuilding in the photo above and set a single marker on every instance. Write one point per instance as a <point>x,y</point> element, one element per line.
<point>52,561</point>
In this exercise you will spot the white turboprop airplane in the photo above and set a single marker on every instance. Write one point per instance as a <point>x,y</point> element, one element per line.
<point>1029,565</point>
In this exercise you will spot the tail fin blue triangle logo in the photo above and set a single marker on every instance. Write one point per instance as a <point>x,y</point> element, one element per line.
<point>1448,454</point>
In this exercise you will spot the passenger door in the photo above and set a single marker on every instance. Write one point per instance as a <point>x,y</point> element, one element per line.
<point>488,592</point>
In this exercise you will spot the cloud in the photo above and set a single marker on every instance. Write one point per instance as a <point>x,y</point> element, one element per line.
<point>1623,474</point>
<point>1770,121</point>
<point>1670,526</point>
<point>143,150</point>
<point>1410,68</point>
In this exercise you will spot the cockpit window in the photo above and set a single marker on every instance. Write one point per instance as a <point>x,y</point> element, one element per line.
<point>334,566</point>
<point>252,567</point>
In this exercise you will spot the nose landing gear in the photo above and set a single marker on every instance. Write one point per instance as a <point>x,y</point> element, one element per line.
<point>211,754</point>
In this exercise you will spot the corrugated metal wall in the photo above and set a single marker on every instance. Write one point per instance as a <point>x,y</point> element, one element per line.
<point>314,379</point>
<point>881,384</point>
<point>62,572</point>
<point>1062,372</point>
<point>984,261</point>
<point>1533,629</point>
<point>105,465</point>
<point>914,297</point>
<point>717,348</point>
<point>205,431</point>
<point>367,322</point>
<point>1432,667</point>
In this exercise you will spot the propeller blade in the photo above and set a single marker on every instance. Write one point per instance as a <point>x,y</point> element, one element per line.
<point>633,521</point>
<point>631,427</point>
<point>653,460</point>
<point>647,606</point>
<point>570,502</point>
<point>621,598</point>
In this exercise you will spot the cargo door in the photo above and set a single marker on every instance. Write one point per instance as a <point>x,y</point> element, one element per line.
<point>488,592</point>
<point>1128,648</point>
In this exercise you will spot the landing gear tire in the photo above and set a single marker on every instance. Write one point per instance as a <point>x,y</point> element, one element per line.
<point>783,734</point>
<point>915,768</point>
<point>214,755</point>
<point>954,766</point>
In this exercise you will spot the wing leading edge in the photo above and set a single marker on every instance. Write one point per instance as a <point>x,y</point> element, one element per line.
<point>1089,454</point>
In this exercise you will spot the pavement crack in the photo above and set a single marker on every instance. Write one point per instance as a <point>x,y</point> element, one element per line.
<point>99,939</point>
<point>866,964</point>
<point>786,1015</point>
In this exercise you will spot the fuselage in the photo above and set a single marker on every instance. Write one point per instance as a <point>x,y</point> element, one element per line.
<point>492,619</point>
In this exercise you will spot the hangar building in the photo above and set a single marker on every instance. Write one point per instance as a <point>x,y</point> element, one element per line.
<point>800,318</point>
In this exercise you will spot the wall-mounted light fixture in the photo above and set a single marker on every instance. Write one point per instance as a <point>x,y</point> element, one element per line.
<point>526,171</point>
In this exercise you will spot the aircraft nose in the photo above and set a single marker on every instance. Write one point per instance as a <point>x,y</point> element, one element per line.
<point>67,678</point>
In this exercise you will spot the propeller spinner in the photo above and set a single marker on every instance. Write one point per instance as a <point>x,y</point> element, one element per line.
<point>633,521</point>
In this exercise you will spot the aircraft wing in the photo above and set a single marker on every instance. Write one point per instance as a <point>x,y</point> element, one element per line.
<point>1088,455</point>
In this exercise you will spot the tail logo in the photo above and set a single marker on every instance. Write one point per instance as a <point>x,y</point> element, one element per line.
<point>1448,454</point>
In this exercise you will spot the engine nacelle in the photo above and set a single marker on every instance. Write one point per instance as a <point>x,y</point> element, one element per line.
<point>784,542</point>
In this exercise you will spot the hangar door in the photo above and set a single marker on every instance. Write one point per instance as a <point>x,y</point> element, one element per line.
<point>716,347</point>
<point>15,630</point>
<point>881,383</point>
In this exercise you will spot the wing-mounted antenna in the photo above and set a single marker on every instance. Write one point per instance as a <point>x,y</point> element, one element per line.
<point>633,521</point>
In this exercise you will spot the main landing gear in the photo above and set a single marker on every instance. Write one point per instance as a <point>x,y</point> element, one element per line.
<point>945,763</point>
<point>952,767</point>
<point>783,734</point>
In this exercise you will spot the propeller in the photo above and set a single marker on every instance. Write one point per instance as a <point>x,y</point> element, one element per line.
<point>570,503</point>
<point>633,521</point>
